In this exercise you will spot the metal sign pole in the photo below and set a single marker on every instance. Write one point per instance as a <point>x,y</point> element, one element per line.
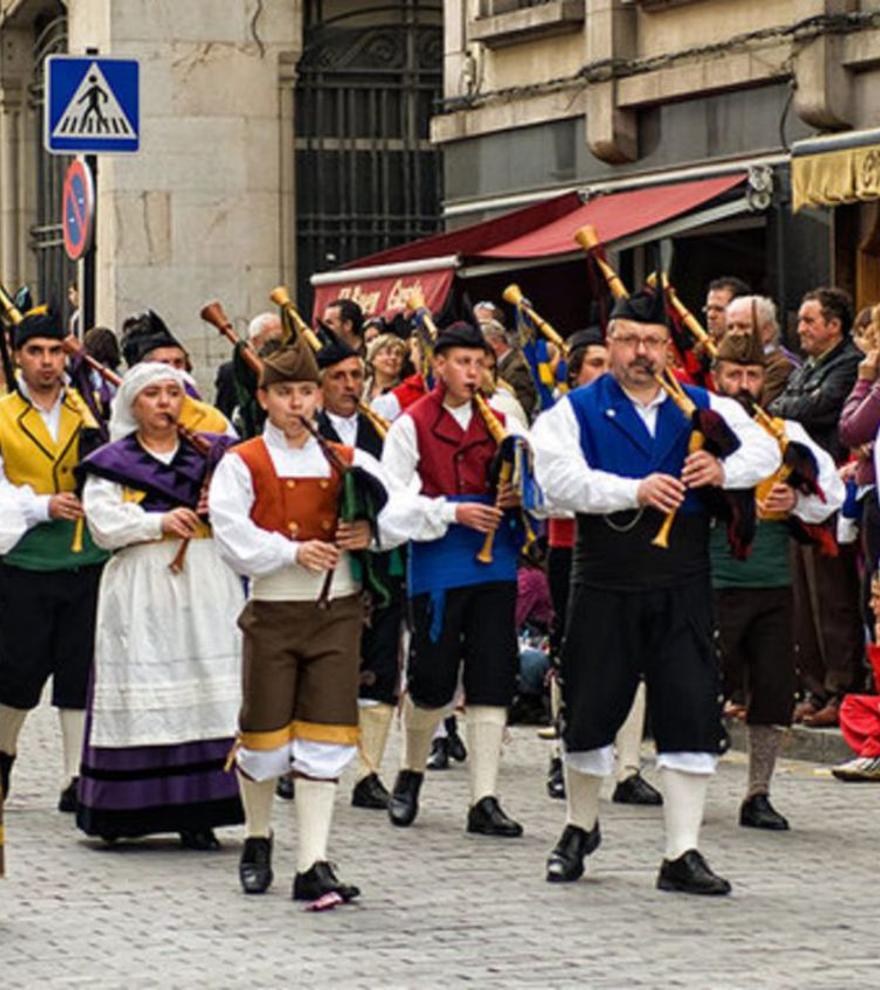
<point>88,265</point>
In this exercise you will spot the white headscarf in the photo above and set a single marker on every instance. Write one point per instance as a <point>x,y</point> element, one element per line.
<point>135,380</point>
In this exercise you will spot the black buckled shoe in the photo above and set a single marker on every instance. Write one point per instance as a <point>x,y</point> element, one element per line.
<point>691,874</point>
<point>636,790</point>
<point>255,865</point>
<point>439,757</point>
<point>403,802</point>
<point>454,743</point>
<point>566,862</point>
<point>486,817</point>
<point>757,812</point>
<point>68,801</point>
<point>370,792</point>
<point>556,779</point>
<point>319,881</point>
<point>199,839</point>
<point>285,788</point>
<point>6,762</point>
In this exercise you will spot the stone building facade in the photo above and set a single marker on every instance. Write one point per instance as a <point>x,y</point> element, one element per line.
<point>234,95</point>
<point>606,95</point>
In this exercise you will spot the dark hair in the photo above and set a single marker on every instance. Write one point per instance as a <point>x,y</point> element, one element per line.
<point>735,286</point>
<point>349,310</point>
<point>835,305</point>
<point>103,346</point>
<point>863,319</point>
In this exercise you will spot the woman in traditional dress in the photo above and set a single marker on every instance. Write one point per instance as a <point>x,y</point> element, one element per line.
<point>167,684</point>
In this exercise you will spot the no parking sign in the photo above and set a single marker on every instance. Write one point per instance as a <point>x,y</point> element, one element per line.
<point>78,210</point>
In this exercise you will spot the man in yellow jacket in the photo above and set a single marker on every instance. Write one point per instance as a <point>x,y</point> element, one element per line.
<point>48,575</point>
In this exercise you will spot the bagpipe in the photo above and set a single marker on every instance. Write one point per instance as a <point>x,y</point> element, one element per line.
<point>200,444</point>
<point>534,334</point>
<point>800,471</point>
<point>416,311</point>
<point>709,430</point>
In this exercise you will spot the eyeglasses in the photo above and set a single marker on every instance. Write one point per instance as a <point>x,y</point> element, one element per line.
<point>649,342</point>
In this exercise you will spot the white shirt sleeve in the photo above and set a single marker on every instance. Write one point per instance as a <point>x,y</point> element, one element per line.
<point>567,480</point>
<point>757,457</point>
<point>113,522</point>
<point>246,547</point>
<point>387,406</point>
<point>400,512</point>
<point>33,508</point>
<point>810,508</point>
<point>13,525</point>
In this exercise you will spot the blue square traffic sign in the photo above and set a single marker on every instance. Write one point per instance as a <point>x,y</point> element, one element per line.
<point>92,105</point>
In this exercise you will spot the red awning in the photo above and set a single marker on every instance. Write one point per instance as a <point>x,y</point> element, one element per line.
<point>614,216</point>
<point>381,283</point>
<point>478,237</point>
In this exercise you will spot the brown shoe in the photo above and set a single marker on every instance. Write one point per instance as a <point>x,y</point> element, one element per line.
<point>804,709</point>
<point>826,718</point>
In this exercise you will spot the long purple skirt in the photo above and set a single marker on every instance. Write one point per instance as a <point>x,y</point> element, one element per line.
<point>144,790</point>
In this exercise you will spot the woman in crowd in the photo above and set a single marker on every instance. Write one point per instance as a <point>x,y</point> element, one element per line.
<point>166,683</point>
<point>385,356</point>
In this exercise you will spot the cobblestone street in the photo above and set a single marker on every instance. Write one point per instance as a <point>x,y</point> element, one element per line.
<point>440,908</point>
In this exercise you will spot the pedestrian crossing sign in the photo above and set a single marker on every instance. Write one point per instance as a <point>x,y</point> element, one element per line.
<point>92,105</point>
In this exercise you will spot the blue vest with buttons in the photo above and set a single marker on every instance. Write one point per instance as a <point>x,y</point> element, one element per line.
<point>614,437</point>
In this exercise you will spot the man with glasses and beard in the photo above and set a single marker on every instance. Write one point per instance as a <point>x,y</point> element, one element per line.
<point>617,454</point>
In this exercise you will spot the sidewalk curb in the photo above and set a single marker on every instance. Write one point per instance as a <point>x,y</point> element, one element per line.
<point>799,743</point>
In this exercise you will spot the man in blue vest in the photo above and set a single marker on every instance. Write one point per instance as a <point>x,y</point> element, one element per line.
<point>616,452</point>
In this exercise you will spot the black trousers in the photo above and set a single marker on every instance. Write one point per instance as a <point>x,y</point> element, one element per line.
<point>756,644</point>
<point>380,652</point>
<point>614,638</point>
<point>47,629</point>
<point>828,634</point>
<point>559,578</point>
<point>479,632</point>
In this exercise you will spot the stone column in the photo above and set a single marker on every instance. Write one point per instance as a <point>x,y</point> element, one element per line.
<point>199,213</point>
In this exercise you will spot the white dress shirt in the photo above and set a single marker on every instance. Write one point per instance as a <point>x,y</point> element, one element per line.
<point>570,483</point>
<point>400,459</point>
<point>271,558</point>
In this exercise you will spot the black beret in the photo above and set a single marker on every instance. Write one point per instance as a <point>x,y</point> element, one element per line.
<point>646,306</point>
<point>143,333</point>
<point>460,334</point>
<point>334,348</point>
<point>40,324</point>
<point>585,338</point>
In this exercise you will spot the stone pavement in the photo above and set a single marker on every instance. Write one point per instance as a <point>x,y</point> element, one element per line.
<point>443,909</point>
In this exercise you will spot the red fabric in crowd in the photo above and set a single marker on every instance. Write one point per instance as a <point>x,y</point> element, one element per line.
<point>860,723</point>
<point>561,532</point>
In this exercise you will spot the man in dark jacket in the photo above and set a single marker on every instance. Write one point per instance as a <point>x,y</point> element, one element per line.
<point>828,631</point>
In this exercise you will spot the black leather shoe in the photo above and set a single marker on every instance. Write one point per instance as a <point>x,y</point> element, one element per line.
<point>200,839</point>
<point>6,762</point>
<point>319,881</point>
<point>403,802</point>
<point>439,758</point>
<point>68,802</point>
<point>691,874</point>
<point>555,779</point>
<point>454,743</point>
<point>487,818</point>
<point>255,865</point>
<point>757,812</point>
<point>566,862</point>
<point>370,792</point>
<point>636,790</point>
<point>284,788</point>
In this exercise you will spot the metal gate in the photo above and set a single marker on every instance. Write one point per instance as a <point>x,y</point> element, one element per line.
<point>367,177</point>
<point>54,269</point>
